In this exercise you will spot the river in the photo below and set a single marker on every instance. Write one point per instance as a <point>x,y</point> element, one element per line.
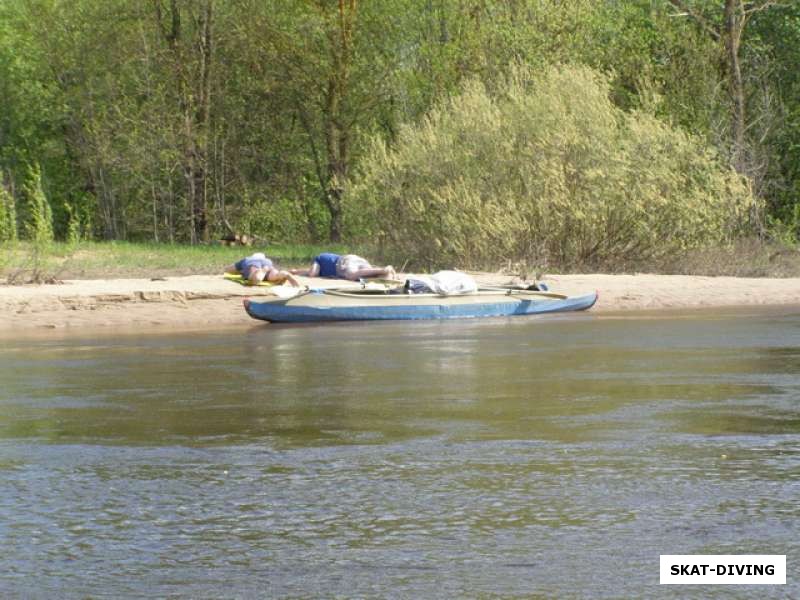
<point>553,457</point>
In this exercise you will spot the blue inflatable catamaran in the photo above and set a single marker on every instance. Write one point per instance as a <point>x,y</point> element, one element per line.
<point>343,304</point>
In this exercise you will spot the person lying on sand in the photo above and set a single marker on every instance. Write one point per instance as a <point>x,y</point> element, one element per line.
<point>257,268</point>
<point>348,266</point>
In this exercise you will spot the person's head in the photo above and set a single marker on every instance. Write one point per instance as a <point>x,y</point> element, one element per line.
<point>258,255</point>
<point>257,275</point>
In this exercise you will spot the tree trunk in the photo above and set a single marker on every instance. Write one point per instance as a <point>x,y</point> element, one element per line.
<point>189,177</point>
<point>734,21</point>
<point>194,96</point>
<point>336,148</point>
<point>154,196</point>
<point>107,205</point>
<point>203,117</point>
<point>730,34</point>
<point>337,141</point>
<point>335,229</point>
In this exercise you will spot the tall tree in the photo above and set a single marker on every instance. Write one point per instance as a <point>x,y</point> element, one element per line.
<point>728,29</point>
<point>336,60</point>
<point>192,56</point>
<point>33,110</point>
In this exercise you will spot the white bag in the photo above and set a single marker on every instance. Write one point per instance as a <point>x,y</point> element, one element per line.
<point>444,283</point>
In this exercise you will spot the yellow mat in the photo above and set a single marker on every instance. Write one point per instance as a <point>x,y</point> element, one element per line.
<point>236,278</point>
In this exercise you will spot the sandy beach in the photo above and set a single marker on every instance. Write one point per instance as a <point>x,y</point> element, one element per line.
<point>210,301</point>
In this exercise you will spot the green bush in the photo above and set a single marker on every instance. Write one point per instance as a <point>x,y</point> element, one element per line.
<point>546,171</point>
<point>39,215</point>
<point>73,235</point>
<point>8,214</point>
<point>282,220</point>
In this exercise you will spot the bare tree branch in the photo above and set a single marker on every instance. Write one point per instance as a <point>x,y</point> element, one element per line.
<point>748,11</point>
<point>701,20</point>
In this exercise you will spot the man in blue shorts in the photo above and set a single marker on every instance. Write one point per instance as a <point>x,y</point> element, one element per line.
<point>348,266</point>
<point>257,268</point>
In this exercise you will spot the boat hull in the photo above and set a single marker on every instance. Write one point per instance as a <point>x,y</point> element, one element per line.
<point>320,307</point>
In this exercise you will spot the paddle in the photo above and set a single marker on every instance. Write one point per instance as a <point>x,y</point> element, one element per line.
<point>509,289</point>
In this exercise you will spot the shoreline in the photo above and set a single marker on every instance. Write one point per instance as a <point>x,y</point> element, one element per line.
<point>212,302</point>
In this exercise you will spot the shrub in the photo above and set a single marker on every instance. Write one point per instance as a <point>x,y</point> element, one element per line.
<point>8,214</point>
<point>280,220</point>
<point>73,235</point>
<point>39,221</point>
<point>546,171</point>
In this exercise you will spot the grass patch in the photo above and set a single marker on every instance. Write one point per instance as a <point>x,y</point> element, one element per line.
<point>24,262</point>
<point>745,258</point>
<point>102,260</point>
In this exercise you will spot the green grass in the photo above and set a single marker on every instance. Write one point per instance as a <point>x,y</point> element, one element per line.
<point>20,262</point>
<point>23,262</point>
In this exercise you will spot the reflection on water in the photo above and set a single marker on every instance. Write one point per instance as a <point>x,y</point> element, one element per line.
<point>504,457</point>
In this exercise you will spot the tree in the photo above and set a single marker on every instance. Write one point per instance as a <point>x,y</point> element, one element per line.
<point>336,64</point>
<point>33,111</point>
<point>728,29</point>
<point>178,119</point>
<point>777,34</point>
<point>192,56</point>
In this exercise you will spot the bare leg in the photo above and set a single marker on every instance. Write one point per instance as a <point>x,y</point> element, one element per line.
<point>276,276</point>
<point>312,271</point>
<point>366,272</point>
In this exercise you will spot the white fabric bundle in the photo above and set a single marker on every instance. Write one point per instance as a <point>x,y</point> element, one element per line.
<point>444,283</point>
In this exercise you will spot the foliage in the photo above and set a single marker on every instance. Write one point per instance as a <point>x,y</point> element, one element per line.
<point>38,223</point>
<point>8,214</point>
<point>776,34</point>
<point>282,219</point>
<point>659,63</point>
<point>183,121</point>
<point>549,171</point>
<point>73,226</point>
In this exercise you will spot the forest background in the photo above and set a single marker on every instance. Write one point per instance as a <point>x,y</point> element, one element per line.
<point>569,134</point>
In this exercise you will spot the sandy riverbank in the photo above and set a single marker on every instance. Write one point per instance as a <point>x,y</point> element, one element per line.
<point>211,301</point>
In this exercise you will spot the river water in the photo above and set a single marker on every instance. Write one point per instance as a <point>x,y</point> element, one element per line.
<point>552,457</point>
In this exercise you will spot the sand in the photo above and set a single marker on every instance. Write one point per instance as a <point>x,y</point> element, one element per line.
<point>210,301</point>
